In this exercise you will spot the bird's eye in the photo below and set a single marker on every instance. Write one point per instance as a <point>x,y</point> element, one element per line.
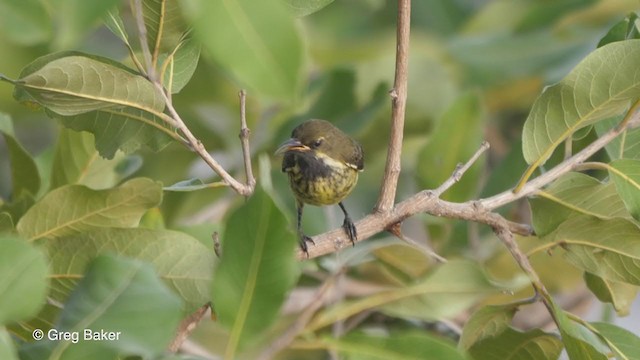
<point>317,142</point>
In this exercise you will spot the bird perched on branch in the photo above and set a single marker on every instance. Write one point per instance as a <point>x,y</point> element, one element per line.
<point>323,164</point>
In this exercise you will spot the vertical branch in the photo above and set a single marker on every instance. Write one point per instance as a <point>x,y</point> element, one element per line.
<point>398,105</point>
<point>244,140</point>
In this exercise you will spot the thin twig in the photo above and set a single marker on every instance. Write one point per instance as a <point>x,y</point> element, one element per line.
<point>398,105</point>
<point>187,326</point>
<point>460,170</point>
<point>244,140</point>
<point>397,231</point>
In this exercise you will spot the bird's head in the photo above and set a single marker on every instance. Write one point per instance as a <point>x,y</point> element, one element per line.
<point>321,136</point>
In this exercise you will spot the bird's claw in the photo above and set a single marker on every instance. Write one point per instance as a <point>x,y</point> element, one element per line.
<point>350,229</point>
<point>304,239</point>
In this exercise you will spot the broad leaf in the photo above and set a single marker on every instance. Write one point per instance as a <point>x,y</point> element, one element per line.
<point>486,322</point>
<point>306,7</point>
<point>601,86</point>
<point>624,30</point>
<point>626,344</point>
<point>7,351</point>
<point>514,344</point>
<point>256,41</point>
<point>23,284</point>
<point>178,67</point>
<point>620,295</point>
<point>74,209</point>
<point>73,83</point>
<point>394,346</point>
<point>607,248</point>
<point>121,296</point>
<point>579,342</point>
<point>460,133</point>
<point>574,194</point>
<point>256,270</point>
<point>626,145</point>
<point>178,259</point>
<point>24,172</point>
<point>626,175</point>
<point>123,129</point>
<point>164,24</point>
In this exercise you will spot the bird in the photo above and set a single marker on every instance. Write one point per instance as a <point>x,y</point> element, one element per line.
<point>322,164</point>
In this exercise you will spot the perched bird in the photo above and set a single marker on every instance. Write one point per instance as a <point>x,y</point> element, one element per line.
<point>323,164</point>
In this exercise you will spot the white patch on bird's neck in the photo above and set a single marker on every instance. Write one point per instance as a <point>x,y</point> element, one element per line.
<point>331,162</point>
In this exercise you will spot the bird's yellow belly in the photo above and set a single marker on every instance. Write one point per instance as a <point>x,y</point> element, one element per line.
<point>324,190</point>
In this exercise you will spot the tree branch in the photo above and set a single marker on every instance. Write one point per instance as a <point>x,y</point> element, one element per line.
<point>387,195</point>
<point>179,124</point>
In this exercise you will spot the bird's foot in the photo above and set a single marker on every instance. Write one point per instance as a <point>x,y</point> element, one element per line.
<point>304,239</point>
<point>350,229</point>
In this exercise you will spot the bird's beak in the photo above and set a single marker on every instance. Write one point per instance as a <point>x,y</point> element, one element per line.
<point>291,144</point>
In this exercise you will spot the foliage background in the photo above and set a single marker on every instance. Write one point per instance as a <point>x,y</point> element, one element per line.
<point>475,69</point>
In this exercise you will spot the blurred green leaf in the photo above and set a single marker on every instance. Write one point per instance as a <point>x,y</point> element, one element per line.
<point>7,350</point>
<point>573,103</point>
<point>574,194</point>
<point>620,295</point>
<point>73,209</point>
<point>189,185</point>
<point>487,322</point>
<point>72,83</point>
<point>23,283</point>
<point>180,65</point>
<point>25,21</point>
<point>180,260</point>
<point>452,287</point>
<point>626,343</point>
<point>24,172</point>
<point>624,30</point>
<point>579,342</point>
<point>76,161</point>
<point>6,222</point>
<point>306,7</point>
<point>113,21</point>
<point>627,145</point>
<point>74,19</point>
<point>514,344</point>
<point>122,296</point>
<point>544,13</point>
<point>607,248</point>
<point>256,271</point>
<point>457,137</point>
<point>394,346</point>
<point>626,175</point>
<point>256,41</point>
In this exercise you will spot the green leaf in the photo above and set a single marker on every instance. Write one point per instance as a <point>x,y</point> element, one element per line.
<point>113,21</point>
<point>23,284</point>
<point>544,14</point>
<point>180,65</point>
<point>394,346</point>
<point>256,41</point>
<point>257,269</point>
<point>25,21</point>
<point>76,17</point>
<point>123,129</point>
<point>7,350</point>
<point>486,322</point>
<point>189,185</point>
<point>180,260</point>
<point>624,30</point>
<point>607,248</point>
<point>601,86</point>
<point>457,137</point>
<point>24,172</point>
<point>626,145</point>
<point>306,7</point>
<point>76,161</point>
<point>122,296</point>
<point>73,83</point>
<point>626,175</point>
<point>451,288</point>
<point>620,295</point>
<point>625,342</point>
<point>75,209</point>
<point>514,344</point>
<point>164,24</point>
<point>574,194</point>
<point>6,222</point>
<point>579,341</point>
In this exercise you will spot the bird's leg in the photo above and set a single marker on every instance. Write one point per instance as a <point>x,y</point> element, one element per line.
<point>302,238</point>
<point>348,226</point>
